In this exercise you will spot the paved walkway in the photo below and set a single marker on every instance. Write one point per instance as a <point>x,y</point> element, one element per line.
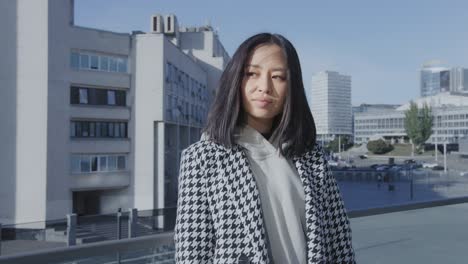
<point>431,235</point>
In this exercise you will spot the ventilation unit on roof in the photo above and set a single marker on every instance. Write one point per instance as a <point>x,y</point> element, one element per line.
<point>170,25</point>
<point>157,24</point>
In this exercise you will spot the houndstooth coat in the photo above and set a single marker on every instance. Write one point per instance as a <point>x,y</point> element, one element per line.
<point>219,215</point>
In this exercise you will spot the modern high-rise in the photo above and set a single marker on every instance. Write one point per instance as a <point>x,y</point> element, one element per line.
<point>330,103</point>
<point>434,79</point>
<point>459,80</point>
<point>93,120</point>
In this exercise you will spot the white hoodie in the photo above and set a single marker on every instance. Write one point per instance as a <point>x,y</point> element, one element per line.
<point>281,196</point>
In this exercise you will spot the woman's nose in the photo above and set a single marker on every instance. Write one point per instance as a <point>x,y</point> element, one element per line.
<point>264,84</point>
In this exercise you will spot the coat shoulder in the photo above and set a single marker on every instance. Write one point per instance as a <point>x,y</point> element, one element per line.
<point>205,149</point>
<point>315,152</point>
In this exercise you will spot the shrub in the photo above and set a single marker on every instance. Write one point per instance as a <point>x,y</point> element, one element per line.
<point>379,146</point>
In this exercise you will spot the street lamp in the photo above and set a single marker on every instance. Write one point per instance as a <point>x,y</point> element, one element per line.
<point>445,155</point>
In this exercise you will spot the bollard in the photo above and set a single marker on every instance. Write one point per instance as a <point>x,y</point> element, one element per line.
<point>119,231</point>
<point>119,225</point>
<point>132,222</point>
<point>0,239</point>
<point>71,229</point>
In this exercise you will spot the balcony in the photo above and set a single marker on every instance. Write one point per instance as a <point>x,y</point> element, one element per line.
<point>101,180</point>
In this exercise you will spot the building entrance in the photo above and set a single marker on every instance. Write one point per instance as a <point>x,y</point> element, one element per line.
<point>86,202</point>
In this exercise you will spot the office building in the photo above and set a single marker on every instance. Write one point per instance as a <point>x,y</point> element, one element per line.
<point>434,79</point>
<point>459,80</point>
<point>450,120</point>
<point>94,120</point>
<point>330,103</point>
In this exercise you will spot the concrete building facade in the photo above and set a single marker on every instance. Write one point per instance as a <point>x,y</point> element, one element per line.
<point>450,120</point>
<point>330,103</point>
<point>459,80</point>
<point>95,120</point>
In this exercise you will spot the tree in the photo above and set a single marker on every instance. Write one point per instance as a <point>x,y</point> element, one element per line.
<point>345,144</point>
<point>418,123</point>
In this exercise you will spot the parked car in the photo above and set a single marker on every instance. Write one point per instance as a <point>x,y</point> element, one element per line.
<point>382,168</point>
<point>333,163</point>
<point>409,161</point>
<point>364,156</point>
<point>396,168</point>
<point>438,167</point>
<point>429,165</point>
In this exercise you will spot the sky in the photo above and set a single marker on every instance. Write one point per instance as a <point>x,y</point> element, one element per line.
<point>382,45</point>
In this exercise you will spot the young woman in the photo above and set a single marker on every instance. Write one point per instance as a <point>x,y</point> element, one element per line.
<point>256,188</point>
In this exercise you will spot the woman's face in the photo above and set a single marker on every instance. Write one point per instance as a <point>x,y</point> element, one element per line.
<point>264,86</point>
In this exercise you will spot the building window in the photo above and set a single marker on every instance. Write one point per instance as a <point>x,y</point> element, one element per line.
<point>98,163</point>
<point>84,164</point>
<point>104,63</point>
<point>98,62</point>
<point>94,62</point>
<point>121,163</point>
<point>83,93</point>
<point>122,65</point>
<point>113,64</point>
<point>93,96</point>
<point>103,163</point>
<point>111,97</point>
<point>112,163</point>
<point>94,163</point>
<point>84,61</point>
<point>167,71</point>
<point>80,129</point>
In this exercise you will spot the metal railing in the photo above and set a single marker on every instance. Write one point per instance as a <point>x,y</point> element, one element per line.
<point>159,248</point>
<point>156,249</point>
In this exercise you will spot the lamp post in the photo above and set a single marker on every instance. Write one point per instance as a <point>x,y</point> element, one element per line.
<point>339,145</point>
<point>445,156</point>
<point>411,183</point>
<point>435,147</point>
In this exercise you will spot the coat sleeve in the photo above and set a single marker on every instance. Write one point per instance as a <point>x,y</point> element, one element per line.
<point>338,226</point>
<point>194,234</point>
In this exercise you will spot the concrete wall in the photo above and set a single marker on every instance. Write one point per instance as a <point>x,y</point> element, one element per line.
<point>8,65</point>
<point>148,109</point>
<point>63,38</point>
<point>111,200</point>
<point>152,51</point>
<point>32,101</point>
<point>206,47</point>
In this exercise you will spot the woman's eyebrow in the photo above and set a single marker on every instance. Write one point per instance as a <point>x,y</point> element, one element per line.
<point>258,66</point>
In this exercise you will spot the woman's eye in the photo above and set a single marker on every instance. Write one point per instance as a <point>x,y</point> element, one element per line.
<point>279,77</point>
<point>250,74</point>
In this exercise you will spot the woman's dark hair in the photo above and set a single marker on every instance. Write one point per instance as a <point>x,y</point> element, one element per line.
<point>295,126</point>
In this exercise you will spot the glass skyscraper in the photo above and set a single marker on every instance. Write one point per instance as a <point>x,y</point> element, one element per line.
<point>434,79</point>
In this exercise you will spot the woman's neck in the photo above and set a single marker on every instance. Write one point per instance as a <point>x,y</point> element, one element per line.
<point>262,126</point>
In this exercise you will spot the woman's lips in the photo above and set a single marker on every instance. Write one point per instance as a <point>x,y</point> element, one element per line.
<point>262,103</point>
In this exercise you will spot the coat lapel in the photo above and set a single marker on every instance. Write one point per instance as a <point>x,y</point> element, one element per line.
<point>245,198</point>
<point>311,168</point>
